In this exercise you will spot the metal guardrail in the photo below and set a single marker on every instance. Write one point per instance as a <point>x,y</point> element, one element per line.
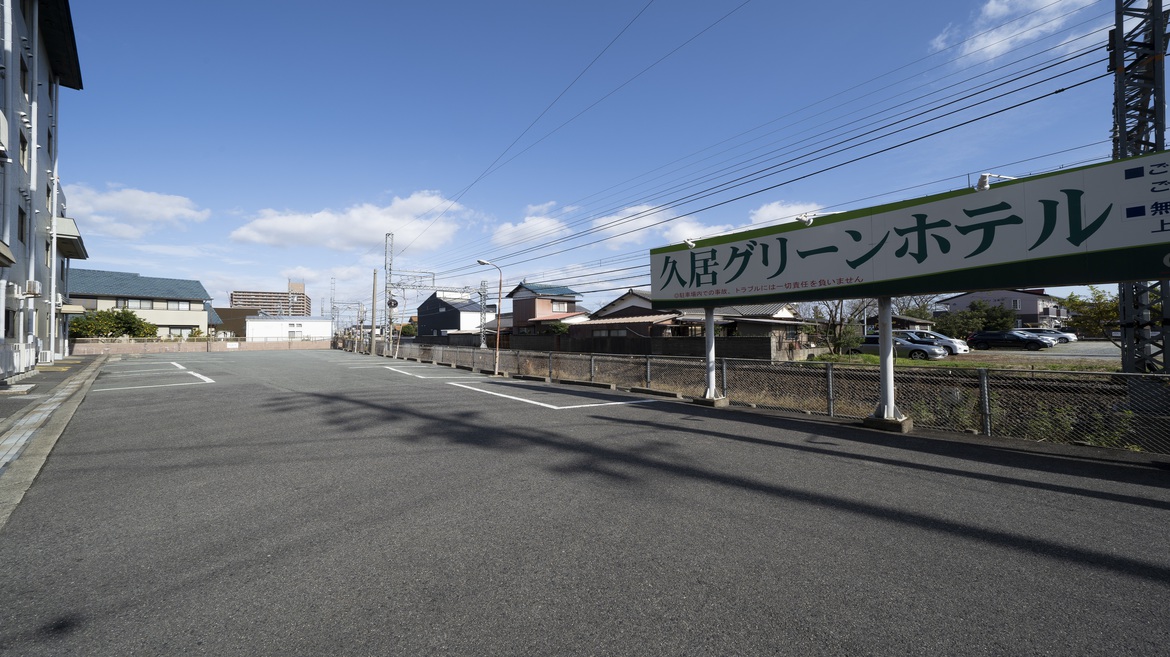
<point>1112,410</point>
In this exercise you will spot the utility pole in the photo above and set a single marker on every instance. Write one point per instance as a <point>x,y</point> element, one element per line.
<point>389,333</point>
<point>373,313</point>
<point>1137,59</point>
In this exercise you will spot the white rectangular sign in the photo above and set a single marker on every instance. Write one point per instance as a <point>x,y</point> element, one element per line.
<point>1102,223</point>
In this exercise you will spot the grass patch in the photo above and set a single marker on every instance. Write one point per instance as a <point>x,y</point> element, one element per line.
<point>982,360</point>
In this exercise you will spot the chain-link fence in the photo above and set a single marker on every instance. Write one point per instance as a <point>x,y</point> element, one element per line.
<point>1124,411</point>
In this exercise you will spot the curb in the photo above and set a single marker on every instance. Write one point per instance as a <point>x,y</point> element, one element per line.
<point>45,422</point>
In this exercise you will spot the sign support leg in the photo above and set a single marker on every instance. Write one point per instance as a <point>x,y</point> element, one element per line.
<point>887,416</point>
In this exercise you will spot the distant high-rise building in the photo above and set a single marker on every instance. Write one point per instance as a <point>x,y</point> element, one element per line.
<point>294,303</point>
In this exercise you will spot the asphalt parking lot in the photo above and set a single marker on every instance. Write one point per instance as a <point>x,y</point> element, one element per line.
<point>307,503</point>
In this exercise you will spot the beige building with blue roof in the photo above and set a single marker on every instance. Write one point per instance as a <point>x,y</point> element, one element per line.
<point>177,306</point>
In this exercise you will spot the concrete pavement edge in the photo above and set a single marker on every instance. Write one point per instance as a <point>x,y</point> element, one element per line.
<point>18,477</point>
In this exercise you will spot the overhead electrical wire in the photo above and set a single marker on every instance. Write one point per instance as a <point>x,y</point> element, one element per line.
<point>582,270</point>
<point>841,146</point>
<point>493,166</point>
<point>828,168</point>
<point>1047,65</point>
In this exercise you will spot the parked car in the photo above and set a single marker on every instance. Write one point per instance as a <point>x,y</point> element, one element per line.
<point>902,349</point>
<point>1009,339</point>
<point>1063,337</point>
<point>952,345</point>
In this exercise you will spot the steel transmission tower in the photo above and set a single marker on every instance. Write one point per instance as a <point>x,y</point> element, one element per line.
<point>1137,48</point>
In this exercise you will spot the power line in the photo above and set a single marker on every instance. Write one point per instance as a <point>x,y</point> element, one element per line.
<point>702,193</point>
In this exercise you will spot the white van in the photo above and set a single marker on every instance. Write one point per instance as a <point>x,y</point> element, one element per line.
<point>952,345</point>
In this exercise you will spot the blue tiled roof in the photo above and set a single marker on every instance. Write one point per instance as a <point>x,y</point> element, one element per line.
<point>213,318</point>
<point>97,283</point>
<point>464,306</point>
<point>546,290</point>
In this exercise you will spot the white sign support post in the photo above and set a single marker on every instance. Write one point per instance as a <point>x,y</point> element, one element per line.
<point>886,415</point>
<point>709,325</point>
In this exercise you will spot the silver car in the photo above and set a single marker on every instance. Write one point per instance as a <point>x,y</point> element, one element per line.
<point>902,349</point>
<point>952,345</point>
<point>1062,337</point>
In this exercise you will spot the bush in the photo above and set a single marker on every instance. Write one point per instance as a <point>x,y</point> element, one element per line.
<point>111,324</point>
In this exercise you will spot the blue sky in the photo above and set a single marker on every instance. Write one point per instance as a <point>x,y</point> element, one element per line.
<point>249,143</point>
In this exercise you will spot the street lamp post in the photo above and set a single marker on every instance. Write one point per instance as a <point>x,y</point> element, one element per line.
<point>499,311</point>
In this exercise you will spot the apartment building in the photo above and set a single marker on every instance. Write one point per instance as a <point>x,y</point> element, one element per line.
<point>37,240</point>
<point>1032,307</point>
<point>294,303</point>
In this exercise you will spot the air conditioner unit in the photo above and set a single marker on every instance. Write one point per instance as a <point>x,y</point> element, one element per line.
<point>16,290</point>
<point>45,357</point>
<point>32,288</point>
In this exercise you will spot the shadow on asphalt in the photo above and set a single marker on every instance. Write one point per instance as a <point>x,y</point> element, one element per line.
<point>468,429</point>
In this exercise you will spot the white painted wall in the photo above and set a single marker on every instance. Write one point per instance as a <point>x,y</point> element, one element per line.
<point>282,328</point>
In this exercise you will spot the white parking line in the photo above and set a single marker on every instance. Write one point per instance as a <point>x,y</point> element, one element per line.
<point>550,406</point>
<point>139,372</point>
<point>202,380</point>
<point>420,376</point>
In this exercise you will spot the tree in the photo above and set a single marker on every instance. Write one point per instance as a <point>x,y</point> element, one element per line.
<point>111,324</point>
<point>958,325</point>
<point>918,305</point>
<point>1097,315</point>
<point>408,330</point>
<point>838,321</point>
<point>979,316</point>
<point>995,318</point>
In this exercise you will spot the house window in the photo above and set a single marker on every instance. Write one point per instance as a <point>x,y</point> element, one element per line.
<point>21,224</point>
<point>600,333</point>
<point>1016,304</point>
<point>24,77</point>
<point>560,306</point>
<point>24,151</point>
<point>136,304</point>
<point>178,305</point>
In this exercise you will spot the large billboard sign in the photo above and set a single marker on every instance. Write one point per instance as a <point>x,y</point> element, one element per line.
<point>1102,223</point>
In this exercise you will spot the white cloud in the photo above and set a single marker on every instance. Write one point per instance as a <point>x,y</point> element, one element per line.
<point>781,211</point>
<point>125,213</point>
<point>424,220</point>
<point>1002,25</point>
<point>690,228</point>
<point>643,225</point>
<point>532,227</point>
<point>632,225</point>
<point>182,251</point>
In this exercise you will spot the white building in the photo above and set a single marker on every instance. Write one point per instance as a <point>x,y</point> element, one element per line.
<point>36,239</point>
<point>262,328</point>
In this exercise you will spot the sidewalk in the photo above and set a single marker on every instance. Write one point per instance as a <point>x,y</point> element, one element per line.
<point>33,413</point>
